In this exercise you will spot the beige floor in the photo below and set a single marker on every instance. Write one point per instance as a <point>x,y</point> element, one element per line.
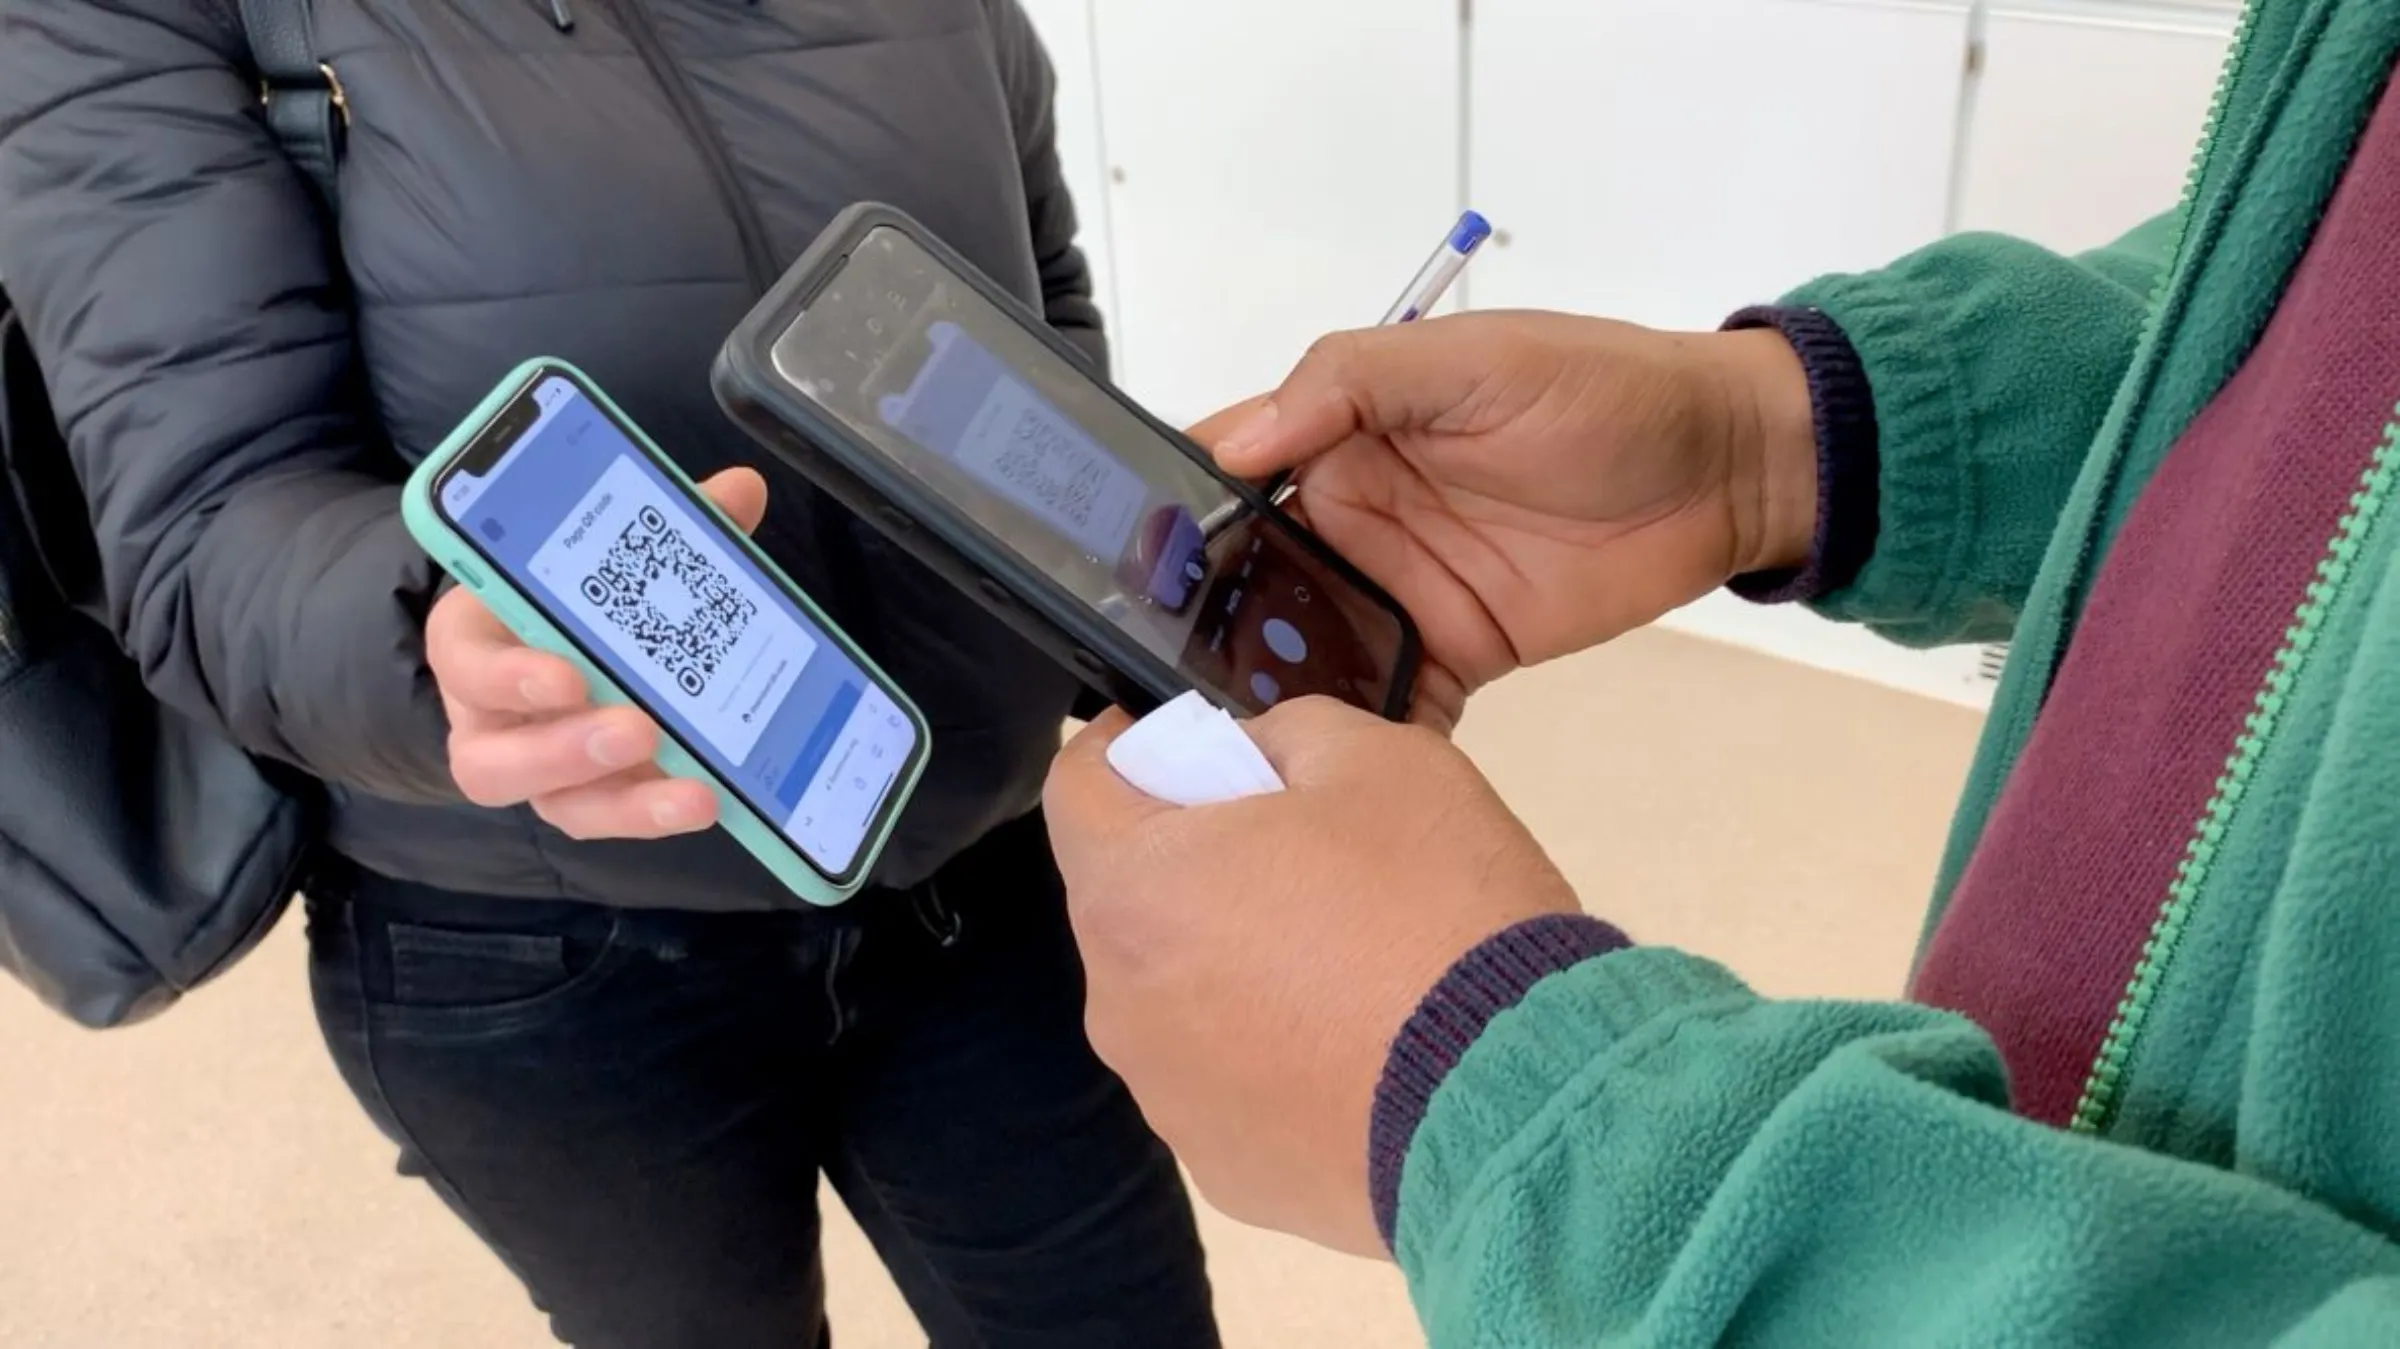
<point>204,1181</point>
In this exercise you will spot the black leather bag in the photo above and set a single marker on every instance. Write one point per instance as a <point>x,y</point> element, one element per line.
<point>140,851</point>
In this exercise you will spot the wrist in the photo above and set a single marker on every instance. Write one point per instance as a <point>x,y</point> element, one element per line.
<point>1771,459</point>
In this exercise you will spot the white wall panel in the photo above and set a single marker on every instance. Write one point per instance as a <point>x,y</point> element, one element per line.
<point>1279,169</point>
<point>1256,172</point>
<point>1669,161</point>
<point>2086,116</point>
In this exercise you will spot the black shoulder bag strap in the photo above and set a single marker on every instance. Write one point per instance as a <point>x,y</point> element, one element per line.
<point>141,852</point>
<point>305,105</point>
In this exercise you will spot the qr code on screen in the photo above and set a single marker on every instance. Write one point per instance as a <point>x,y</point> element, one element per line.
<point>667,596</point>
<point>1041,461</point>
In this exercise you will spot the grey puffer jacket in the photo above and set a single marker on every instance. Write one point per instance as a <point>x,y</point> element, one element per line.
<point>608,181</point>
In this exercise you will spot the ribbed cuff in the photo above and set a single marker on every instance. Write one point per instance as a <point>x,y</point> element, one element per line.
<point>1485,982</point>
<point>1848,458</point>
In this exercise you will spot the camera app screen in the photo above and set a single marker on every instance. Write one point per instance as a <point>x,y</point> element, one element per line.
<point>1043,459</point>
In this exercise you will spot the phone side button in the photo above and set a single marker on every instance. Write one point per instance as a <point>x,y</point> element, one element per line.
<point>467,576</point>
<point>896,521</point>
<point>1093,665</point>
<point>995,593</point>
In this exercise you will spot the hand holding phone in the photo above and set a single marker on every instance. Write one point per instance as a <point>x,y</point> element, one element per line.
<point>586,542</point>
<point>941,409</point>
<point>525,731</point>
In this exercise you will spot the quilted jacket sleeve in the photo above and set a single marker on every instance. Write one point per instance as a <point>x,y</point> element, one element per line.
<point>1032,89</point>
<point>186,304</point>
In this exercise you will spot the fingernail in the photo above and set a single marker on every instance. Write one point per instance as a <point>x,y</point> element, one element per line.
<point>616,748</point>
<point>1250,430</point>
<point>670,814</point>
<point>533,692</point>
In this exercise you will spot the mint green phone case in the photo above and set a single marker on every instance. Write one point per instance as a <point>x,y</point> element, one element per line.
<point>460,558</point>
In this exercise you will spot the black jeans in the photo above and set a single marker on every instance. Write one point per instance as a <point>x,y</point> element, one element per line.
<point>633,1107</point>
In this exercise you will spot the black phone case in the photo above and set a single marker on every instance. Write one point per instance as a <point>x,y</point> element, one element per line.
<point>928,528</point>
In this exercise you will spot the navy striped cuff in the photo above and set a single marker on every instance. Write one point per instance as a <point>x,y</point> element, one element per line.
<point>1485,982</point>
<point>1848,458</point>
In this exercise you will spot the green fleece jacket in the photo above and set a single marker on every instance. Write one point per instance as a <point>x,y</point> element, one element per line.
<point>1644,1151</point>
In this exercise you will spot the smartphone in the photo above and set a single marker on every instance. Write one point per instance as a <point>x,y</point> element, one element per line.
<point>586,540</point>
<point>911,388</point>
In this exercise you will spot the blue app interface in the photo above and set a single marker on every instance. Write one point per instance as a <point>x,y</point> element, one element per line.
<point>622,560</point>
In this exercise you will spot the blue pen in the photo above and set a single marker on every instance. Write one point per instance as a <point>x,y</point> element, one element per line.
<point>1432,282</point>
<point>1434,278</point>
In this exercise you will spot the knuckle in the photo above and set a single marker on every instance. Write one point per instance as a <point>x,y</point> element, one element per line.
<point>439,650</point>
<point>1306,721</point>
<point>454,605</point>
<point>457,671</point>
<point>1438,762</point>
<point>473,773</point>
<point>1330,358</point>
<point>1426,741</point>
<point>1057,801</point>
<point>1099,924</point>
<point>1107,1039</point>
<point>1323,711</point>
<point>575,824</point>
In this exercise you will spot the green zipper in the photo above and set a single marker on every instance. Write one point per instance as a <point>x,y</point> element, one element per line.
<point>2099,1097</point>
<point>2101,1089</point>
<point>2041,636</point>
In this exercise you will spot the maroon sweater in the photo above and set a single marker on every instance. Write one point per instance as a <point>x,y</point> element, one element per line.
<point>2186,615</point>
<point>2042,936</point>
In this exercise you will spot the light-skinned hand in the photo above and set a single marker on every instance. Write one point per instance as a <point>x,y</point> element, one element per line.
<point>524,730</point>
<point>1249,964</point>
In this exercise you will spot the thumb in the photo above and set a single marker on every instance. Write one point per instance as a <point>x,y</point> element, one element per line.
<point>1376,381</point>
<point>741,494</point>
<point>1085,799</point>
<point>1213,430</point>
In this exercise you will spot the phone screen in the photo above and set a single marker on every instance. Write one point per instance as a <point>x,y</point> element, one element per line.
<point>1054,467</point>
<point>618,554</point>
